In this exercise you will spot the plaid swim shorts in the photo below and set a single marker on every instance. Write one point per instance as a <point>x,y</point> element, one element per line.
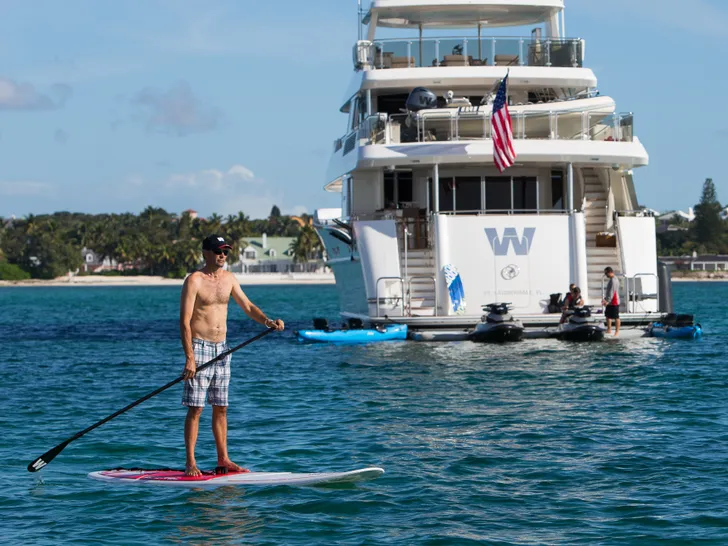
<point>212,382</point>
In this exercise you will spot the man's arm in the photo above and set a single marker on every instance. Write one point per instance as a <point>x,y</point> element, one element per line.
<point>252,310</point>
<point>187,306</point>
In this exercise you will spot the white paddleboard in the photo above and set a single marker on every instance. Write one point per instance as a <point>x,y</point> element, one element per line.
<point>177,477</point>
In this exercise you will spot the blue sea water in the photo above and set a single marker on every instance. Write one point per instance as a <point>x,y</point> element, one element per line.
<point>540,442</point>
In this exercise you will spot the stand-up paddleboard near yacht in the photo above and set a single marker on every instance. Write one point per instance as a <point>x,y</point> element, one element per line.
<point>212,479</point>
<point>421,195</point>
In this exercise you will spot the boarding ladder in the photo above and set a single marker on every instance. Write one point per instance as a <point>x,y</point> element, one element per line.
<point>596,192</point>
<point>417,265</point>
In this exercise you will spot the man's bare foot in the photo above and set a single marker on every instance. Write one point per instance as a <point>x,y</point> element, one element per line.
<point>231,466</point>
<point>192,470</point>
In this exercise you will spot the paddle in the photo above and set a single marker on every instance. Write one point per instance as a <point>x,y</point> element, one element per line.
<point>51,454</point>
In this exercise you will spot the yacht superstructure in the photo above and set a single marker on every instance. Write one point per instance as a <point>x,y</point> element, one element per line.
<point>420,192</point>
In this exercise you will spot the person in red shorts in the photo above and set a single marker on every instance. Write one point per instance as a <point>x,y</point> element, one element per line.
<point>611,301</point>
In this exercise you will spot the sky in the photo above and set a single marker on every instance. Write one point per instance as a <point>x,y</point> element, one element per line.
<point>229,105</point>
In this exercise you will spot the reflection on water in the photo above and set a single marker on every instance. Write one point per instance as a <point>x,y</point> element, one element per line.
<point>216,516</point>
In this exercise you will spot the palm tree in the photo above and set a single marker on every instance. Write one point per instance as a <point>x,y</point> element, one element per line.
<point>243,222</point>
<point>191,254</point>
<point>306,246</point>
<point>31,224</point>
<point>214,223</point>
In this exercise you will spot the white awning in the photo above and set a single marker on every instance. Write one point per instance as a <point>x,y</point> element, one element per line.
<point>461,13</point>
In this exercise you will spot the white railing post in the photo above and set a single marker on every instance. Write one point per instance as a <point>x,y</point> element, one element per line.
<point>548,52</point>
<point>570,187</point>
<point>405,232</point>
<point>520,52</point>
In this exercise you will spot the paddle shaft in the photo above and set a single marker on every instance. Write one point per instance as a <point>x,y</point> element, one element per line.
<point>47,457</point>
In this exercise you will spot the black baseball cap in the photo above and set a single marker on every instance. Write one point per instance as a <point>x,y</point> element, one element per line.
<point>215,242</point>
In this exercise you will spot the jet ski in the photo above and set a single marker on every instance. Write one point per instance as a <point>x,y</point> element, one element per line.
<point>581,326</point>
<point>498,325</point>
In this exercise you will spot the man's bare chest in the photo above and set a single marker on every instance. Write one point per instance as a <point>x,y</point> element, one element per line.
<point>214,293</point>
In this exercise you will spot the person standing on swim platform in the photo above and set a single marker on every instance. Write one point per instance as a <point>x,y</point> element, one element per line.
<point>611,301</point>
<point>203,328</point>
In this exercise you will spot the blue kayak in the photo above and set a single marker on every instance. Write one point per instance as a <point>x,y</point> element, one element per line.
<point>659,329</point>
<point>391,332</point>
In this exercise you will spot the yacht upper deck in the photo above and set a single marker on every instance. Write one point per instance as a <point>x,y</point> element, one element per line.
<point>546,46</point>
<point>461,13</point>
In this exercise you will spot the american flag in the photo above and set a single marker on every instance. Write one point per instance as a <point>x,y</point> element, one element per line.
<point>503,153</point>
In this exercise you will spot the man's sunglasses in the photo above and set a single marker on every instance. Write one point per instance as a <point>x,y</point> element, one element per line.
<point>218,252</point>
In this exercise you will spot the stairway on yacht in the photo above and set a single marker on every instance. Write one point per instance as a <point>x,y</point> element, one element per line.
<point>418,271</point>
<point>595,214</point>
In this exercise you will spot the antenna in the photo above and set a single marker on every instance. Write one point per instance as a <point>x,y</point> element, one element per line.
<point>359,18</point>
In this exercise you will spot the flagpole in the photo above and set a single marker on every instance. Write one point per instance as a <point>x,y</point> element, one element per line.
<point>358,17</point>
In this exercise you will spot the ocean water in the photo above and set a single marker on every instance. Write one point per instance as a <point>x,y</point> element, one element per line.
<point>540,442</point>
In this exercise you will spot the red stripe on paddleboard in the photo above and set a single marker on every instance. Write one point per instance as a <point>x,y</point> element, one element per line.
<point>164,475</point>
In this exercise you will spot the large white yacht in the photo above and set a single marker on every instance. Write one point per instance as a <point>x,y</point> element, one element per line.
<point>421,197</point>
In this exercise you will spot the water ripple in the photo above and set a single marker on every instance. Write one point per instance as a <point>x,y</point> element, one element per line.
<point>535,443</point>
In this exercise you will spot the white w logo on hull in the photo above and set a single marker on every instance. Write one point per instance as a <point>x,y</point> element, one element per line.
<point>521,245</point>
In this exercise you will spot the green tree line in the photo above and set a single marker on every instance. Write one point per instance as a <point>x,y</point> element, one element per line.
<point>154,242</point>
<point>706,234</point>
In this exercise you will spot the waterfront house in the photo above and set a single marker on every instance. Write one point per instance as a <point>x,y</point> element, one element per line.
<point>94,262</point>
<point>270,255</point>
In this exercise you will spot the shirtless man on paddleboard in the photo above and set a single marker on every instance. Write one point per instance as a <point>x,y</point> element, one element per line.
<point>203,326</point>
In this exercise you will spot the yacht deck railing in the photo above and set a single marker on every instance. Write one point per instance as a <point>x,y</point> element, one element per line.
<point>456,124</point>
<point>472,51</point>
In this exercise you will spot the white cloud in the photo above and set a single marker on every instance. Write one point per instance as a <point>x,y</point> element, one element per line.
<point>24,188</point>
<point>237,178</point>
<point>207,191</point>
<point>23,96</point>
<point>176,111</point>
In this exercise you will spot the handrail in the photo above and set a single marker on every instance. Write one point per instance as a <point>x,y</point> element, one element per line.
<point>469,51</point>
<point>485,212</point>
<point>634,286</point>
<point>634,212</point>
<point>449,124</point>
<point>376,291</point>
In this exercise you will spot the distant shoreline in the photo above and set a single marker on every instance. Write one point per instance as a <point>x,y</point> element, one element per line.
<point>699,279</point>
<point>700,276</point>
<point>253,279</point>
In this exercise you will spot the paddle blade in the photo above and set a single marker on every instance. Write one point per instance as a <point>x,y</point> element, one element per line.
<point>46,458</point>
